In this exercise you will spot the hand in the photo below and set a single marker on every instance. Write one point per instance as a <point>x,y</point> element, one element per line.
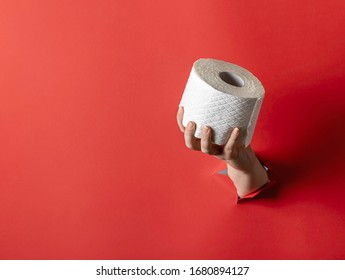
<point>233,153</point>
<point>244,169</point>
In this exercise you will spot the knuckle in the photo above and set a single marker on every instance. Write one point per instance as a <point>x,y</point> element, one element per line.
<point>190,146</point>
<point>204,138</point>
<point>190,129</point>
<point>205,147</point>
<point>188,134</point>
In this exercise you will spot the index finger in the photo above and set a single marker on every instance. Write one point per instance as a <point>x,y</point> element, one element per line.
<point>179,118</point>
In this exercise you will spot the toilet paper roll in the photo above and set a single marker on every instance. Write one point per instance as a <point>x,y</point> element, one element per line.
<point>223,96</point>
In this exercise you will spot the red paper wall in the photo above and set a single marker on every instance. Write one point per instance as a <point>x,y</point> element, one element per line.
<point>93,166</point>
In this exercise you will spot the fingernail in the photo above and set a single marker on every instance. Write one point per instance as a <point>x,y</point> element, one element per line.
<point>191,125</point>
<point>206,129</point>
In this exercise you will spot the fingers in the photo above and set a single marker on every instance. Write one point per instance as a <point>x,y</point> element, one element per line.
<point>206,144</point>
<point>190,140</point>
<point>232,142</point>
<point>180,118</point>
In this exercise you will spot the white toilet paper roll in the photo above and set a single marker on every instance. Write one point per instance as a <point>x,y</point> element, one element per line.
<point>222,96</point>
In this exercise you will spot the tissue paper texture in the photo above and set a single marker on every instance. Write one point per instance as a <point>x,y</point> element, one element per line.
<point>222,96</point>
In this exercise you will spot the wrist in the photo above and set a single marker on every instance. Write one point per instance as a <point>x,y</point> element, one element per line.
<point>250,179</point>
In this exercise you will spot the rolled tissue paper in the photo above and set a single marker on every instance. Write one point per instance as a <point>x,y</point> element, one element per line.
<point>223,96</point>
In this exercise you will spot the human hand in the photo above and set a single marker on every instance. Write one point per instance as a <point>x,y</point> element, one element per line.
<point>244,169</point>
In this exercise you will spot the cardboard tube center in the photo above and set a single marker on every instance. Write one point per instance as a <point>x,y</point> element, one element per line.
<point>231,79</point>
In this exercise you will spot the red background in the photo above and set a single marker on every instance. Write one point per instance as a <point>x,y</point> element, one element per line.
<point>93,166</point>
